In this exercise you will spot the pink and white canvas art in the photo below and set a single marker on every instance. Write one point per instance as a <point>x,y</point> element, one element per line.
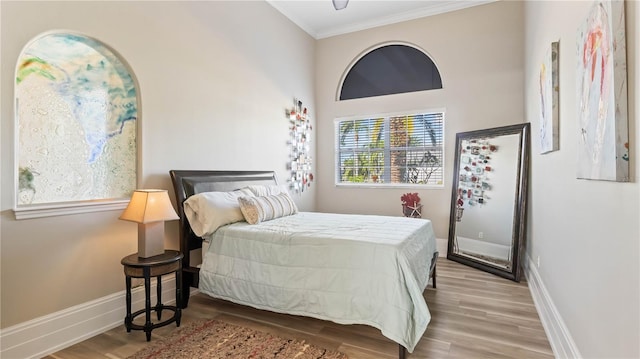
<point>603,142</point>
<point>549,97</point>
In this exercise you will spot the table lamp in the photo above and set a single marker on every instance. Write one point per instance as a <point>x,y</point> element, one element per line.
<point>150,208</point>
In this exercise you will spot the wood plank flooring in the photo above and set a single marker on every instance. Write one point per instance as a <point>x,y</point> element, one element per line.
<point>474,315</point>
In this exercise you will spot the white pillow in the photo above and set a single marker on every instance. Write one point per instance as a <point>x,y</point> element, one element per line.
<point>266,190</point>
<point>207,211</point>
<point>264,208</point>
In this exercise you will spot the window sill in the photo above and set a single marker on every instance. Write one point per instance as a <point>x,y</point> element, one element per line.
<point>389,185</point>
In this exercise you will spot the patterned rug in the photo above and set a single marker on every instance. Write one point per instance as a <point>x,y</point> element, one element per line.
<point>215,340</point>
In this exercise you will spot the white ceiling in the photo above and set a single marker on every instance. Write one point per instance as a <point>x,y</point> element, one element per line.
<point>319,19</point>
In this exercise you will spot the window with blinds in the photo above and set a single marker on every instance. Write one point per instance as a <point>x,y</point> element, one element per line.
<point>392,150</point>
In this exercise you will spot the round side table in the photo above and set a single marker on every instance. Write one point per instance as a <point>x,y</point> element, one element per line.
<point>157,266</point>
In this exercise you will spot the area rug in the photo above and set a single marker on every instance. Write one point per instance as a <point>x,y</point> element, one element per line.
<point>214,340</point>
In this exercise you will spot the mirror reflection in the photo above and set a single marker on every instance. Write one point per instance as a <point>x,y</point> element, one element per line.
<point>488,199</point>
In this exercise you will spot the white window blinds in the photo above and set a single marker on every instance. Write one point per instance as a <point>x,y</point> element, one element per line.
<point>404,149</point>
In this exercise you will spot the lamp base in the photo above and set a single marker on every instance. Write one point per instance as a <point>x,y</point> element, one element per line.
<point>150,239</point>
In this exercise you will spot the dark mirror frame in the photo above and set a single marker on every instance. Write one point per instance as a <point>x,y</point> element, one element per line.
<point>520,200</point>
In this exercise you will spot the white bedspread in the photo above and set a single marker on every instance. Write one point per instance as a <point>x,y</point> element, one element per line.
<point>349,269</point>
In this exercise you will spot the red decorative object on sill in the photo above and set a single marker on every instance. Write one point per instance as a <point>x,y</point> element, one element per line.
<point>411,206</point>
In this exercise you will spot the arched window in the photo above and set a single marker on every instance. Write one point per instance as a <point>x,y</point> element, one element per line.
<point>405,148</point>
<point>76,121</point>
<point>390,69</point>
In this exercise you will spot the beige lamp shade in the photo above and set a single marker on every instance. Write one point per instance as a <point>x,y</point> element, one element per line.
<point>150,208</point>
<point>149,205</point>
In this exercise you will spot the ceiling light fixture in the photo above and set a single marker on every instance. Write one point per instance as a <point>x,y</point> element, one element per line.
<point>340,4</point>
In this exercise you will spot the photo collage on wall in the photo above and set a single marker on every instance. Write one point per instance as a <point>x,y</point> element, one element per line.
<point>300,138</point>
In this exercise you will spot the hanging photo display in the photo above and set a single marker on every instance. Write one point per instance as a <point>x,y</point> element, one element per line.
<point>300,156</point>
<point>475,167</point>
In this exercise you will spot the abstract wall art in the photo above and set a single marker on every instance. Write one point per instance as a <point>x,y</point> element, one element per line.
<point>603,142</point>
<point>76,114</point>
<point>549,100</point>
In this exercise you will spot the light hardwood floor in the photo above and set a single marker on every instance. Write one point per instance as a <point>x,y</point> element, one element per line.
<point>474,315</point>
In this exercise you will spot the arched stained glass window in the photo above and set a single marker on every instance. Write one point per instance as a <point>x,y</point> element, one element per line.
<point>390,69</point>
<point>76,120</point>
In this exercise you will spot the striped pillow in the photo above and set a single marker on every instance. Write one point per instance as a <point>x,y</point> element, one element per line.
<point>266,190</point>
<point>265,208</point>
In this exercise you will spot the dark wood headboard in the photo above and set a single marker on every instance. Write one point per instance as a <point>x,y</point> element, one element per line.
<point>188,183</point>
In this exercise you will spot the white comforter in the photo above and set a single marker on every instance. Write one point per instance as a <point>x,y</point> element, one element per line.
<point>350,269</point>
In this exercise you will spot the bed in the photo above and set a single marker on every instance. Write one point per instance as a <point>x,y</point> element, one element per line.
<point>349,269</point>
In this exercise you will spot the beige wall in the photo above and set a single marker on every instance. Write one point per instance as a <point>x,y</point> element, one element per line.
<point>481,63</point>
<point>213,92</point>
<point>586,233</point>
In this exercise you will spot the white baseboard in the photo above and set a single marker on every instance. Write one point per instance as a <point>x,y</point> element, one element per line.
<point>48,334</point>
<point>558,334</point>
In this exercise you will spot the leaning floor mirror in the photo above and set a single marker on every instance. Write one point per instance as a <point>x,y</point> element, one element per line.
<point>488,204</point>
